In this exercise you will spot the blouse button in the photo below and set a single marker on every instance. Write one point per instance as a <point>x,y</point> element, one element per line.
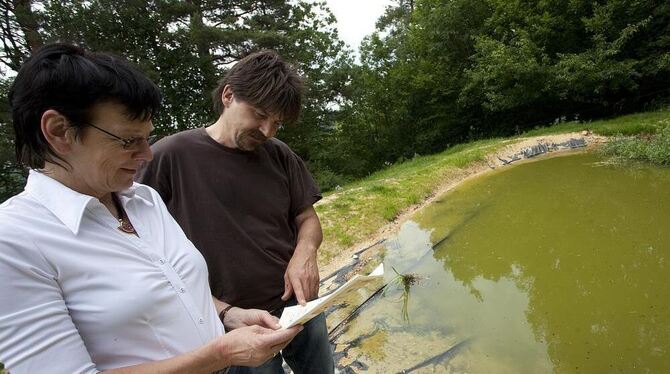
<point>201,321</point>
<point>182,290</point>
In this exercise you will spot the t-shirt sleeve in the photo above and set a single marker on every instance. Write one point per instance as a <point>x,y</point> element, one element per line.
<point>302,186</point>
<point>157,173</point>
<point>36,330</point>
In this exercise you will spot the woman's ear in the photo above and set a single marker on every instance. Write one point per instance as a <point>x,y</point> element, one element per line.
<point>55,128</point>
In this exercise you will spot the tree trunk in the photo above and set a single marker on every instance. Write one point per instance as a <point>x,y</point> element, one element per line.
<point>202,44</point>
<point>28,24</point>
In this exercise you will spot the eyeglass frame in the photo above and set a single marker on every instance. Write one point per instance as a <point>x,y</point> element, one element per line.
<point>262,115</point>
<point>126,143</point>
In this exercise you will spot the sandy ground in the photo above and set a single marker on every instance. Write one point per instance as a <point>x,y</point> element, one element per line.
<point>472,171</point>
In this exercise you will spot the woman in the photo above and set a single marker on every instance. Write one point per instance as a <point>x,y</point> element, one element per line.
<point>97,275</point>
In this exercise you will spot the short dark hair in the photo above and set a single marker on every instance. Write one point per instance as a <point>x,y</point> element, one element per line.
<point>71,80</point>
<point>263,80</point>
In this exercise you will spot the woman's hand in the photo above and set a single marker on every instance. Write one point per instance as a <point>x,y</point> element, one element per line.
<point>253,345</point>
<point>238,317</point>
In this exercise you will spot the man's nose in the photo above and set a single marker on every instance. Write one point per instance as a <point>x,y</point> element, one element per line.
<point>268,129</point>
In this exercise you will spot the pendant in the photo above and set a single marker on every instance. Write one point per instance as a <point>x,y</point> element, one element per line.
<point>126,227</point>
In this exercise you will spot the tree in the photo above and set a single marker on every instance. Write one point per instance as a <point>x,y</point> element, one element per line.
<point>20,32</point>
<point>12,178</point>
<point>185,46</point>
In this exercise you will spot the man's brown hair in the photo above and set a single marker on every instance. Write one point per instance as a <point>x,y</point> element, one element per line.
<point>263,80</point>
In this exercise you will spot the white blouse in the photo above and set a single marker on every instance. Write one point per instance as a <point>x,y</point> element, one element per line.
<point>78,295</point>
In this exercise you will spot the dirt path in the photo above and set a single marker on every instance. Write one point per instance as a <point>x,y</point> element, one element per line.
<point>492,161</point>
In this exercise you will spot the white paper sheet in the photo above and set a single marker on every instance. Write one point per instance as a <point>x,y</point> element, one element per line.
<point>299,314</point>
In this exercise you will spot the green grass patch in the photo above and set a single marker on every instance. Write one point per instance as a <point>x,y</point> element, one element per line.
<point>646,148</point>
<point>381,190</point>
<point>390,211</point>
<point>632,124</point>
<point>341,206</point>
<point>354,213</point>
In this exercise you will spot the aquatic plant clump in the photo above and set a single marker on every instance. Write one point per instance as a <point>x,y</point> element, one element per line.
<point>647,148</point>
<point>404,282</point>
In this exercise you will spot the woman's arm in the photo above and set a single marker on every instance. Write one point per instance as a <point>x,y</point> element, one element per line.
<point>244,346</point>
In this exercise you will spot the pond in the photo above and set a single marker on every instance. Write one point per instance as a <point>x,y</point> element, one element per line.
<point>555,266</point>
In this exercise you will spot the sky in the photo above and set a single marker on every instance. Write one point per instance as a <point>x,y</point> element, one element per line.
<point>356,18</point>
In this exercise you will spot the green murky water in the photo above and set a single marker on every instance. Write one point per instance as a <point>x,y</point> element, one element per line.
<point>560,265</point>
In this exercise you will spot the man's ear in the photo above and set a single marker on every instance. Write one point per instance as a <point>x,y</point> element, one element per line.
<point>227,96</point>
<point>55,128</point>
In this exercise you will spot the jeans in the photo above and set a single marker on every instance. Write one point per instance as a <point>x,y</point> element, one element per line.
<point>308,353</point>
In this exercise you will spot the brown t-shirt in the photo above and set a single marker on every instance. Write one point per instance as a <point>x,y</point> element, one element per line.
<point>237,207</point>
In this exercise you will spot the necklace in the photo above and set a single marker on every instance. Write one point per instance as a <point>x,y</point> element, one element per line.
<point>124,225</point>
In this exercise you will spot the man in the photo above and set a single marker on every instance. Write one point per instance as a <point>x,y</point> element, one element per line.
<point>246,201</point>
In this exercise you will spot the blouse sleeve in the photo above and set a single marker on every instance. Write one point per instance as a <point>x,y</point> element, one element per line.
<point>37,334</point>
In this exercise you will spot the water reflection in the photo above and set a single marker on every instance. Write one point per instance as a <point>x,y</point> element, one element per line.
<point>555,266</point>
<point>479,318</point>
<point>589,258</point>
<point>408,247</point>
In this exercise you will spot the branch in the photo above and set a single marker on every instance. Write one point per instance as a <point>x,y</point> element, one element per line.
<point>226,58</point>
<point>26,20</point>
<point>12,50</point>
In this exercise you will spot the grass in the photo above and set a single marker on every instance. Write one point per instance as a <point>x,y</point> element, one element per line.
<point>654,148</point>
<point>353,214</point>
<point>632,124</point>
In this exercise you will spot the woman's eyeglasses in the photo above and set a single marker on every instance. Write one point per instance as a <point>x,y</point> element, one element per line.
<point>128,143</point>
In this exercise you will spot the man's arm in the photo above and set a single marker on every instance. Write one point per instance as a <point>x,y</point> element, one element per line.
<point>302,274</point>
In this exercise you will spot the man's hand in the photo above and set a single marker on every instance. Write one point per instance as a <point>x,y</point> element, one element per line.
<point>302,273</point>
<point>302,277</point>
<point>253,345</point>
<point>238,317</point>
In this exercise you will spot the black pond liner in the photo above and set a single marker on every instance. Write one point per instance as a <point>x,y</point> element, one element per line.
<point>342,272</point>
<point>542,148</point>
<point>441,358</point>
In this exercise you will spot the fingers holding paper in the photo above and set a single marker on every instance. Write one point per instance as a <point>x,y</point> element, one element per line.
<point>254,345</point>
<point>238,317</point>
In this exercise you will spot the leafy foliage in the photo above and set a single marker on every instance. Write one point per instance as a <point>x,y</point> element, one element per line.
<point>12,178</point>
<point>444,72</point>
<point>185,46</point>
